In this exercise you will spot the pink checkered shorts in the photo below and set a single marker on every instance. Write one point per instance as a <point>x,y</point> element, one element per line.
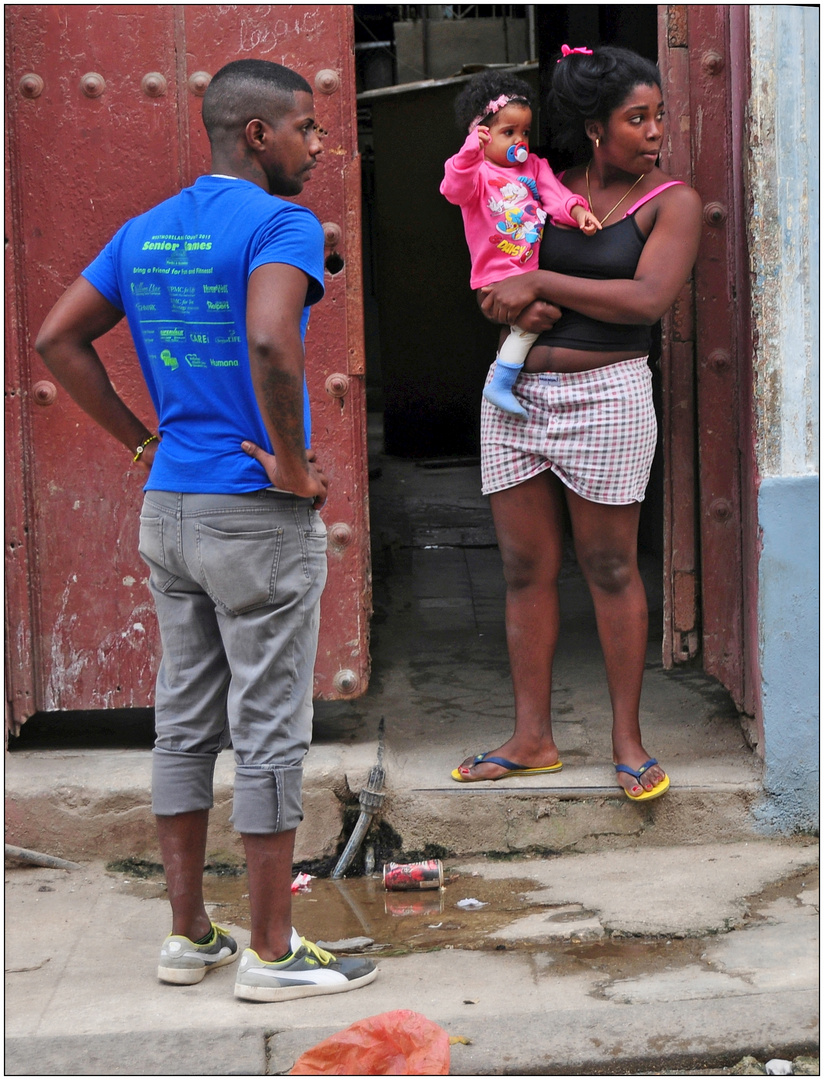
<point>595,429</point>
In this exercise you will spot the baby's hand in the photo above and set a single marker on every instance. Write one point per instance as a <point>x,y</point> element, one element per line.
<point>588,223</point>
<point>483,136</point>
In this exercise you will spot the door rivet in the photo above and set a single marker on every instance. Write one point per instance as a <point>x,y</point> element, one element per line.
<point>327,81</point>
<point>721,509</point>
<point>31,85</point>
<point>92,84</point>
<point>154,84</point>
<point>199,82</point>
<point>44,392</point>
<point>340,534</point>
<point>332,234</point>
<point>720,359</point>
<point>337,385</point>
<point>346,681</point>
<point>712,63</point>
<point>715,214</point>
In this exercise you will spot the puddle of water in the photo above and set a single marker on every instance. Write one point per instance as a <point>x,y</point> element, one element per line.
<point>789,887</point>
<point>415,920</point>
<point>429,919</point>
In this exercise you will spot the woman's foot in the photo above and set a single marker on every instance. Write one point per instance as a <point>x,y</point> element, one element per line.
<point>545,756</point>
<point>650,777</point>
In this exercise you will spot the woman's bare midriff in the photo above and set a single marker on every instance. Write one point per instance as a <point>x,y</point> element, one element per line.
<point>555,358</point>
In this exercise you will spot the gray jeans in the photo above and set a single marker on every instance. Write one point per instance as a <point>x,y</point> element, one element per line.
<point>236,581</point>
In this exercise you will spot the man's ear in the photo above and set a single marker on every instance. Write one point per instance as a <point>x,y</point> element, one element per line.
<point>255,132</point>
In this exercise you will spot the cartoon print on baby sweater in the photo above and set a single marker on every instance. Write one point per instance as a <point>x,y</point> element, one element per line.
<point>522,219</point>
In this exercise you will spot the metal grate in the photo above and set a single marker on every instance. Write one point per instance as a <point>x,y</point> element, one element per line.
<point>414,12</point>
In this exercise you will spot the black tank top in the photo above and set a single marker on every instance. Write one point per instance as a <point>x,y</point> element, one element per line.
<point>612,253</point>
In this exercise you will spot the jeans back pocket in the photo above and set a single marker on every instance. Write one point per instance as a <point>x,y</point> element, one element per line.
<point>239,569</point>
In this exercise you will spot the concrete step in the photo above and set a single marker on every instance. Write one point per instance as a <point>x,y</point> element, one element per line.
<point>95,804</point>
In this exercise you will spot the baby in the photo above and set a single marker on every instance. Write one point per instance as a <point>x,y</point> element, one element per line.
<point>505,194</point>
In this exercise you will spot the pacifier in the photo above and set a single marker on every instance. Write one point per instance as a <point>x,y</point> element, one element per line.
<point>519,152</point>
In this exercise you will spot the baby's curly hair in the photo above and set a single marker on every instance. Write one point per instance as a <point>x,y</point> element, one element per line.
<point>484,87</point>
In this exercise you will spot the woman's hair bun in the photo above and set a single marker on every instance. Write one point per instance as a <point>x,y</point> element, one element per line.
<point>589,86</point>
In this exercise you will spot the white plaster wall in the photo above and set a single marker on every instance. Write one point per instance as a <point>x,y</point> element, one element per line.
<point>784,184</point>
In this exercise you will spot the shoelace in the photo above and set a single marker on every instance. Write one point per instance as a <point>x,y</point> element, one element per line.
<point>316,951</point>
<point>215,934</point>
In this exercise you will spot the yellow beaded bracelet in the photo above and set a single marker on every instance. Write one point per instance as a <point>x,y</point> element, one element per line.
<point>143,446</point>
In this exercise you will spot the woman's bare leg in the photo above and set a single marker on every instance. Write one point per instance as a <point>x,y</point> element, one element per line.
<point>529,526</point>
<point>606,543</point>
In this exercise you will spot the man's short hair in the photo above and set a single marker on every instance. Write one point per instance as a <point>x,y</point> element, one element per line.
<point>245,89</point>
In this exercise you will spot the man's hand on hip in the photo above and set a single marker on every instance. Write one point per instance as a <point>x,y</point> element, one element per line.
<point>310,484</point>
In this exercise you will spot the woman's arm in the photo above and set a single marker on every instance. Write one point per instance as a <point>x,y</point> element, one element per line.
<point>536,317</point>
<point>665,264</point>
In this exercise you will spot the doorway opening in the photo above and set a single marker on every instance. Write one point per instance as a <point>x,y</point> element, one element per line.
<point>428,347</point>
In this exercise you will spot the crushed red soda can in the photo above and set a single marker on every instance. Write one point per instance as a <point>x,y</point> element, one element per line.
<point>398,877</point>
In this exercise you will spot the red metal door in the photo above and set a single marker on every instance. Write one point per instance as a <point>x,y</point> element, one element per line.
<point>103,120</point>
<point>708,361</point>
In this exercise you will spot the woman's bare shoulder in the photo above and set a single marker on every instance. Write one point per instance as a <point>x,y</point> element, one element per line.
<point>675,211</point>
<point>680,192</point>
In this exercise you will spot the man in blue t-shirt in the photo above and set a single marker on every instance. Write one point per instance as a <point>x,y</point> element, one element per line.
<point>216,284</point>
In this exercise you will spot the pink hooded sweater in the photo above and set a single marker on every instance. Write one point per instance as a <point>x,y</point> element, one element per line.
<point>504,210</point>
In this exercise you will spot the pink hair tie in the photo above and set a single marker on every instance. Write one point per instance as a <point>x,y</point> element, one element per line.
<point>566,51</point>
<point>492,107</point>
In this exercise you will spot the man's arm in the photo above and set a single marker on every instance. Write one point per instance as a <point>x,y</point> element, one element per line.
<point>65,342</point>
<point>274,308</point>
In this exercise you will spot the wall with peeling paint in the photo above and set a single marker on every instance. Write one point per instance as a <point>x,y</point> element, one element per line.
<point>784,246</point>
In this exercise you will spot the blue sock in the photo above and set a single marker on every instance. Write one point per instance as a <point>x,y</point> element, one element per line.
<point>499,389</point>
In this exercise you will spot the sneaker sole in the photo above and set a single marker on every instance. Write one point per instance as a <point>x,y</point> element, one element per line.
<point>190,976</point>
<point>299,990</point>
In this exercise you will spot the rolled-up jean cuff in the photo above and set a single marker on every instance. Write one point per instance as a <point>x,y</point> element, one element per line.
<point>267,798</point>
<point>181,782</point>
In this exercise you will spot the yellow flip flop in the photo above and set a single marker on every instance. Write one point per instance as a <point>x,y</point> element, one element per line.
<point>653,793</point>
<point>511,769</point>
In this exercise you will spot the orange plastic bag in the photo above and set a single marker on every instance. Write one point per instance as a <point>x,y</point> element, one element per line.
<point>397,1043</point>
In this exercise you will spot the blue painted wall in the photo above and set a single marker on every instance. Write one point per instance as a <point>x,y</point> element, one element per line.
<point>789,651</point>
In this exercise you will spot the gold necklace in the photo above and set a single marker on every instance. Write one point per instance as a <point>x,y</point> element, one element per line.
<point>612,211</point>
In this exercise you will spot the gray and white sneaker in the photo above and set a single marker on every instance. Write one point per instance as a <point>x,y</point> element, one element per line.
<point>309,971</point>
<point>184,962</point>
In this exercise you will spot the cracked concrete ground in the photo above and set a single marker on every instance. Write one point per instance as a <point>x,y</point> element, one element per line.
<point>82,997</point>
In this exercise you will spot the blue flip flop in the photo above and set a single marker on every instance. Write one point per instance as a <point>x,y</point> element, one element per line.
<point>653,793</point>
<point>510,766</point>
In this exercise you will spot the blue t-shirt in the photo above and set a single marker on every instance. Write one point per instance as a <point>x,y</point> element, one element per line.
<point>179,273</point>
